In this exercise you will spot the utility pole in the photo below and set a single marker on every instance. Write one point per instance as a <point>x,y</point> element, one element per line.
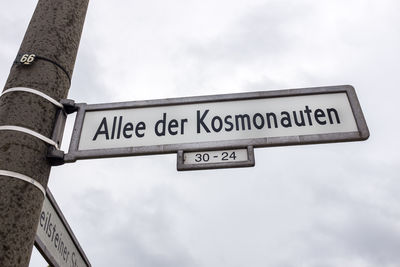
<point>27,115</point>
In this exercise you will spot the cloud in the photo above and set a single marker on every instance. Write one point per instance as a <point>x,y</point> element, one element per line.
<point>252,46</point>
<point>134,233</point>
<point>350,229</point>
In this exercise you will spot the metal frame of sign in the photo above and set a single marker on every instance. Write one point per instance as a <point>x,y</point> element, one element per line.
<point>362,134</point>
<point>42,247</point>
<point>250,162</point>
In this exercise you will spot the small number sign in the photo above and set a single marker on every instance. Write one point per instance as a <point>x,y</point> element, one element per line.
<point>228,158</point>
<point>219,156</point>
<point>27,59</point>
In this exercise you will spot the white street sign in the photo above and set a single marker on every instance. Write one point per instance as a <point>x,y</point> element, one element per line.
<point>55,240</point>
<point>288,117</point>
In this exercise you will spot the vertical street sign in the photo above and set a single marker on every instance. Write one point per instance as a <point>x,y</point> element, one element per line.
<point>55,239</point>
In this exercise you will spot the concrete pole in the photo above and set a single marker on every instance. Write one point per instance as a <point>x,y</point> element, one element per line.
<point>53,35</point>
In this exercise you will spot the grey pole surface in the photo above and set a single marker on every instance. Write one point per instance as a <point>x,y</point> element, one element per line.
<point>53,35</point>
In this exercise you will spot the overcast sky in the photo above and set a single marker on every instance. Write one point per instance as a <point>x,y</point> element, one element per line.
<point>317,205</point>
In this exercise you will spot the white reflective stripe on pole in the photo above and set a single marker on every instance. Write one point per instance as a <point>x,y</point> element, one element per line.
<point>33,91</point>
<point>23,178</point>
<point>30,132</point>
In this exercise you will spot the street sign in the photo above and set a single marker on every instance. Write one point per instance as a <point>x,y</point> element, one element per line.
<point>227,158</point>
<point>55,239</point>
<point>258,119</point>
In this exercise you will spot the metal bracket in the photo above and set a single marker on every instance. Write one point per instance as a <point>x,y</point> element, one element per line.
<point>56,157</point>
<point>69,105</point>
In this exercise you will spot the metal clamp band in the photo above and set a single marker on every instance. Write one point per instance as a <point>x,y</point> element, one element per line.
<point>33,91</point>
<point>58,65</point>
<point>28,59</point>
<point>23,178</point>
<point>30,132</point>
